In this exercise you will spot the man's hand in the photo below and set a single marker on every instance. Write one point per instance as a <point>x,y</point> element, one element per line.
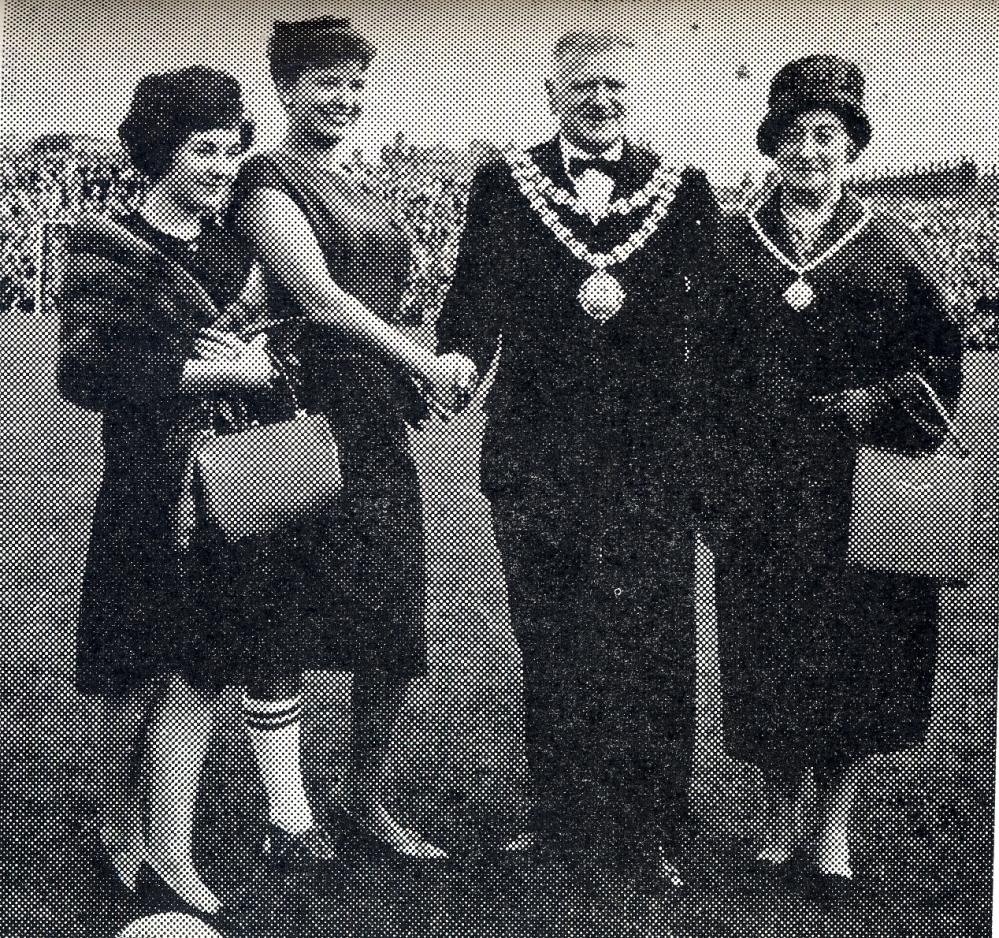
<point>452,381</point>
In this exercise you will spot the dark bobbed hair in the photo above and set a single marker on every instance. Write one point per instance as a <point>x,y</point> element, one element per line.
<point>167,108</point>
<point>296,47</point>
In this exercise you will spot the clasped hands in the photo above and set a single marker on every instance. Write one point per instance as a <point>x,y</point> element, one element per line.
<point>450,383</point>
<point>247,363</point>
<point>860,407</point>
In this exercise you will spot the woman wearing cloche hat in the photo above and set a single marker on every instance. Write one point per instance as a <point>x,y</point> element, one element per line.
<point>829,312</point>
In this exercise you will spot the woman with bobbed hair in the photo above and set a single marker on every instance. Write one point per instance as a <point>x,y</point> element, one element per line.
<point>333,259</point>
<point>831,320</point>
<point>151,305</point>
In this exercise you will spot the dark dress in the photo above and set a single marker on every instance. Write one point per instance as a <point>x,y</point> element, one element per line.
<point>364,598</point>
<point>821,663</point>
<point>586,461</point>
<point>127,327</point>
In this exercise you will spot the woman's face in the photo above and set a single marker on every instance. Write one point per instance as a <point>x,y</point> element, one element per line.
<point>814,152</point>
<point>326,102</point>
<point>203,169</point>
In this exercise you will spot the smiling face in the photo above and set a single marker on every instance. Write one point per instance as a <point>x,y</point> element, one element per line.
<point>324,103</point>
<point>589,94</point>
<point>202,170</point>
<point>814,151</point>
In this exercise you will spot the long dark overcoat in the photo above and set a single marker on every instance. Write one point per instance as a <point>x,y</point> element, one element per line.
<point>586,460</point>
<point>820,662</point>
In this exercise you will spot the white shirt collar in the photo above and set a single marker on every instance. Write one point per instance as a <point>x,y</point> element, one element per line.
<point>570,151</point>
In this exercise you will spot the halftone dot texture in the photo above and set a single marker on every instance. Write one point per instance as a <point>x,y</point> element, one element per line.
<point>457,769</point>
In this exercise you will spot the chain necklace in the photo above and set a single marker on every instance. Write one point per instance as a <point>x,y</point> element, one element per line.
<point>524,168</point>
<point>601,294</point>
<point>801,294</point>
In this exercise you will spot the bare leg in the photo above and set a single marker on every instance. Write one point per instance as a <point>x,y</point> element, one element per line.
<point>178,743</point>
<point>837,792</point>
<point>783,794</point>
<point>124,722</point>
<point>376,701</point>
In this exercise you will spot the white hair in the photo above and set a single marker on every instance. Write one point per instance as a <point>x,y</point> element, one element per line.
<point>582,42</point>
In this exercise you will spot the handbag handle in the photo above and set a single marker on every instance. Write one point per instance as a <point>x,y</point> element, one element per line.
<point>282,373</point>
<point>962,448</point>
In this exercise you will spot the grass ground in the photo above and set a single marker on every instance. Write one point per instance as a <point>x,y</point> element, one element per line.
<point>923,830</point>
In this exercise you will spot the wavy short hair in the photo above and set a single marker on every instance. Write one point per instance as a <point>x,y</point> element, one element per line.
<point>298,46</point>
<point>167,108</point>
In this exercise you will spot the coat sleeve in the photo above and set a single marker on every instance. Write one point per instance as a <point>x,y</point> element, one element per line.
<point>110,350</point>
<point>701,220</point>
<point>925,341</point>
<point>716,391</point>
<point>471,318</point>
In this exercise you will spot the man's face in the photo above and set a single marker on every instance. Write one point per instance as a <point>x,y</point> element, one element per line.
<point>589,95</point>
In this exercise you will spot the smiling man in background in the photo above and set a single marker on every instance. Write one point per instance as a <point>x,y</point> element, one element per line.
<point>592,259</point>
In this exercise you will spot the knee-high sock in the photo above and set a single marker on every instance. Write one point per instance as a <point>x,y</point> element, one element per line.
<point>275,729</point>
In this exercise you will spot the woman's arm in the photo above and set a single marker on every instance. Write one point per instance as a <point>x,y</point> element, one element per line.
<point>284,241</point>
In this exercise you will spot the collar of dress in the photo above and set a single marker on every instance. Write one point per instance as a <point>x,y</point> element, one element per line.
<point>834,248</point>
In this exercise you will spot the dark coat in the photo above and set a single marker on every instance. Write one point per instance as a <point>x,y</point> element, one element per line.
<point>586,459</point>
<point>576,399</point>
<point>820,662</point>
<point>129,316</point>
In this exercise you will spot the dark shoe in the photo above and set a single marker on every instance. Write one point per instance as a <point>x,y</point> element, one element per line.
<point>517,851</point>
<point>314,847</point>
<point>773,872</point>
<point>827,888</point>
<point>657,874</point>
<point>156,895</point>
<point>359,837</point>
<point>104,866</point>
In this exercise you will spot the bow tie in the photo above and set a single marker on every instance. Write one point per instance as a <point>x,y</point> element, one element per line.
<point>579,165</point>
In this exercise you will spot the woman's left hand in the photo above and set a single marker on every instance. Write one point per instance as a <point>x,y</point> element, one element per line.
<point>860,406</point>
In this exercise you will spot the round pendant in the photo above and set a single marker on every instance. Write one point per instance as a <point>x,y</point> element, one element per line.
<point>799,295</point>
<point>601,296</point>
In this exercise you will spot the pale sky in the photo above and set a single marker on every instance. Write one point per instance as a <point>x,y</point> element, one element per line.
<point>452,70</point>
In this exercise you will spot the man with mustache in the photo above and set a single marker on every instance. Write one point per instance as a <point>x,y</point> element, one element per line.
<point>592,260</point>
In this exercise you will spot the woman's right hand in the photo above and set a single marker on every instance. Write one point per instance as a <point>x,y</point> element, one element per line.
<point>217,345</point>
<point>254,368</point>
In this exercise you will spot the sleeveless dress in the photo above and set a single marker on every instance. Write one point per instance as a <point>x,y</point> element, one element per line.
<point>362,594</point>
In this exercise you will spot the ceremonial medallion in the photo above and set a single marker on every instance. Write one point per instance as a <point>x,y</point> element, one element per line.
<point>799,295</point>
<point>601,296</point>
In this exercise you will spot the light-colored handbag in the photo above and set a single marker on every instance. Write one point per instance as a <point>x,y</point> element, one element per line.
<point>263,479</point>
<point>918,515</point>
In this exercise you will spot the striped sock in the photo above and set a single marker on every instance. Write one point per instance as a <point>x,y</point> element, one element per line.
<point>274,728</point>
